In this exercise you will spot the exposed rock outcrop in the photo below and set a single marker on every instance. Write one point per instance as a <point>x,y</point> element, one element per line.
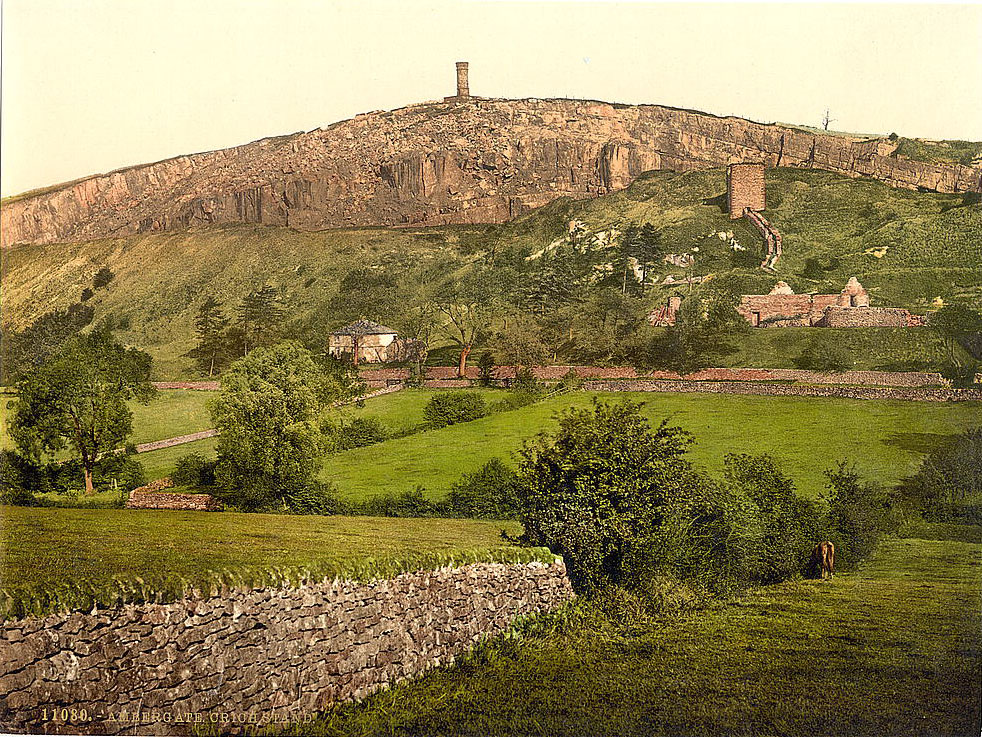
<point>442,163</point>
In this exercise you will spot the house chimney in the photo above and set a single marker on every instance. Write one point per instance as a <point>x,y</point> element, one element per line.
<point>463,88</point>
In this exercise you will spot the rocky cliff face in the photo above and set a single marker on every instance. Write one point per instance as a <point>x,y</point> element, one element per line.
<point>476,161</point>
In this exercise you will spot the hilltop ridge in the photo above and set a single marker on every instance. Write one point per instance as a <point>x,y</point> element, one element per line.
<point>477,160</point>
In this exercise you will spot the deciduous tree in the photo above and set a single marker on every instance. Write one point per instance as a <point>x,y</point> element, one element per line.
<point>78,400</point>
<point>267,414</point>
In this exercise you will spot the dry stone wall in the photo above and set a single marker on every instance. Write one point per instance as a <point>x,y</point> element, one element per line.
<point>446,376</point>
<point>246,657</point>
<point>787,390</point>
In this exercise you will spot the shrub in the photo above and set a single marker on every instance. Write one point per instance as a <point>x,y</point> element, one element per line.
<point>360,432</point>
<point>488,493</point>
<point>594,490</point>
<point>525,382</point>
<point>317,497</point>
<point>514,400</point>
<point>102,277</point>
<point>485,365</point>
<point>449,408</point>
<point>119,470</point>
<point>194,470</point>
<point>948,485</point>
<point>407,504</point>
<point>18,476</point>
<point>857,515</point>
<point>787,527</point>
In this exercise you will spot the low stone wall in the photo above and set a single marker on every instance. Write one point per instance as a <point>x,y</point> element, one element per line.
<point>263,654</point>
<point>205,386</point>
<point>178,440</point>
<point>150,496</point>
<point>787,390</point>
<point>446,376</point>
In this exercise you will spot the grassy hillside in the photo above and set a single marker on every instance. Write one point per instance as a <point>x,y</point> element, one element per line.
<point>116,553</point>
<point>906,247</point>
<point>892,649</point>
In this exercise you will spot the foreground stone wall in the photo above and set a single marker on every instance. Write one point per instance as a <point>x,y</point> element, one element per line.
<point>247,656</point>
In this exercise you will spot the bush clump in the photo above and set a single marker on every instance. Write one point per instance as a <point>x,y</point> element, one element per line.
<point>407,504</point>
<point>857,516</point>
<point>625,508</point>
<point>450,408</point>
<point>488,493</point>
<point>948,485</point>
<point>195,471</point>
<point>317,497</point>
<point>358,433</point>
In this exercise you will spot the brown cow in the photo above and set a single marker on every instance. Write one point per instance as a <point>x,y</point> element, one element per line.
<point>823,560</point>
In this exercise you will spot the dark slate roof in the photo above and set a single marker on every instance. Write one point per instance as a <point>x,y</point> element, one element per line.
<point>365,327</point>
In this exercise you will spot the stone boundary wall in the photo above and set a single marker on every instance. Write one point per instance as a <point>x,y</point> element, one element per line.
<point>446,376</point>
<point>276,653</point>
<point>385,388</point>
<point>206,386</point>
<point>787,390</point>
<point>178,440</point>
<point>176,501</point>
<point>384,378</point>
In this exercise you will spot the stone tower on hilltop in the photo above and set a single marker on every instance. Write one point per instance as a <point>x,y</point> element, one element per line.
<point>463,84</point>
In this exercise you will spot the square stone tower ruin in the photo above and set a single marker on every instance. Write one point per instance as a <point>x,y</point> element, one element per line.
<point>463,84</point>
<point>744,188</point>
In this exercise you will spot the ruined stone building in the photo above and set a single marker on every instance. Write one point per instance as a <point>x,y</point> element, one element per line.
<point>781,307</point>
<point>849,308</point>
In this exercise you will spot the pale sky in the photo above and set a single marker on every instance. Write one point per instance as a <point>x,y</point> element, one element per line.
<point>94,85</point>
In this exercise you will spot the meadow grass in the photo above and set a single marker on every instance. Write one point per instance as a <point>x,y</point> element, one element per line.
<point>55,558</point>
<point>172,412</point>
<point>885,439</point>
<point>892,649</point>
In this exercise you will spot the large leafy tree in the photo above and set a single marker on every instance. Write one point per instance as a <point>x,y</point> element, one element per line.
<point>78,400</point>
<point>267,414</point>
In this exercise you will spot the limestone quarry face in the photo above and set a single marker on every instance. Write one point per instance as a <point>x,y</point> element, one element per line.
<point>473,161</point>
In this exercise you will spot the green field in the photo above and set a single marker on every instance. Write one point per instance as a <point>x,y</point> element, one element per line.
<point>894,649</point>
<point>885,439</point>
<point>67,556</point>
<point>173,412</point>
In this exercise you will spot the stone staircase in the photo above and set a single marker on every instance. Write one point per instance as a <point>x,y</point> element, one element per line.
<point>771,236</point>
